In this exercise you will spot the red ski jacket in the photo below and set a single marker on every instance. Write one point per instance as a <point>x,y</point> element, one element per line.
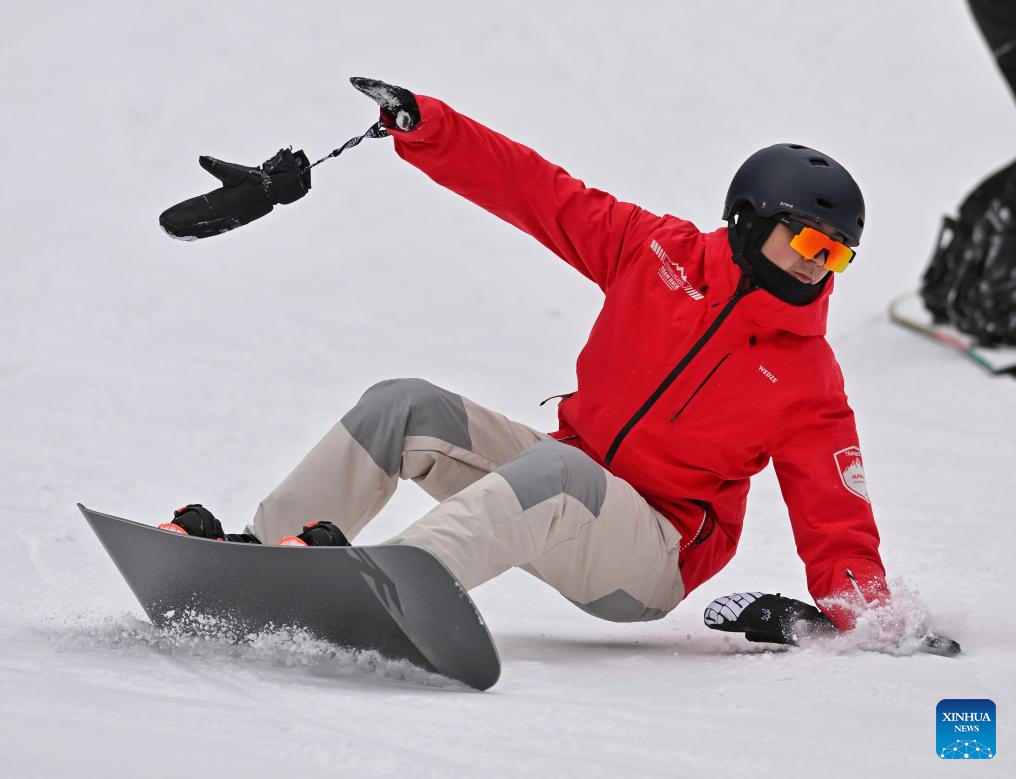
<point>691,381</point>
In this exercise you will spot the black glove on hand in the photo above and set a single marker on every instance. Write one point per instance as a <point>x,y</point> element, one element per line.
<point>767,618</point>
<point>246,194</point>
<point>399,110</point>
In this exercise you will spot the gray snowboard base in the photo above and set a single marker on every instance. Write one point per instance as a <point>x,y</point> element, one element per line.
<point>397,600</point>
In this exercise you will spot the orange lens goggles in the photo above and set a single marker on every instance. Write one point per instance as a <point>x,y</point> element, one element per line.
<point>810,243</point>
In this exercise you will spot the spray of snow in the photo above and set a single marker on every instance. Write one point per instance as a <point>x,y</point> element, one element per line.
<point>221,642</point>
<point>895,628</point>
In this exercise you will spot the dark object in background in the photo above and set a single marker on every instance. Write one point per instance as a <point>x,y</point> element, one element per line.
<point>246,194</point>
<point>971,281</point>
<point>997,20</point>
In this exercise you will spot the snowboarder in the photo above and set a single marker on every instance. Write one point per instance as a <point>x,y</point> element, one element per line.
<point>707,362</point>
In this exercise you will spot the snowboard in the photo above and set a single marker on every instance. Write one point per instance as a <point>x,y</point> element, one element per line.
<point>398,600</point>
<point>908,312</point>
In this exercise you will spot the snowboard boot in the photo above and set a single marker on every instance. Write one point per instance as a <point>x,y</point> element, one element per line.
<point>195,520</point>
<point>317,534</point>
<point>767,618</point>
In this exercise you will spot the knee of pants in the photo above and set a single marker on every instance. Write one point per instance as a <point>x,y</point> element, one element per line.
<point>395,408</point>
<point>549,469</point>
<point>619,606</point>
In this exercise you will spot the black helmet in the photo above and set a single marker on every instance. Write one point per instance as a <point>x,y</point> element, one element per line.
<point>790,178</point>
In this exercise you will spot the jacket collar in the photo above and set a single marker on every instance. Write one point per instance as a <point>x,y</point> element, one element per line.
<point>761,308</point>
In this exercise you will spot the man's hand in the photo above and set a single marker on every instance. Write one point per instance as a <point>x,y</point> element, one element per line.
<point>767,618</point>
<point>399,110</point>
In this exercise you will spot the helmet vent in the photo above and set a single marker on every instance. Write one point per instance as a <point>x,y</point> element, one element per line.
<point>819,161</point>
<point>823,203</point>
<point>796,146</point>
<point>860,221</point>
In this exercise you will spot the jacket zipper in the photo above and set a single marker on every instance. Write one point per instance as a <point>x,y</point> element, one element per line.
<point>700,386</point>
<point>744,287</point>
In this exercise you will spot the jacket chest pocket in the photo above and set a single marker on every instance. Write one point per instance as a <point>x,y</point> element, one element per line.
<point>699,388</point>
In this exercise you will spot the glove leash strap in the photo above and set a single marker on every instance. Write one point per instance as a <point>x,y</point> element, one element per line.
<point>374,131</point>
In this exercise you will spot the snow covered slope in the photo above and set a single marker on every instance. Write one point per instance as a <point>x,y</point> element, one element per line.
<point>139,373</point>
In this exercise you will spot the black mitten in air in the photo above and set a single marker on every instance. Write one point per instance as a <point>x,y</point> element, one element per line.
<point>246,194</point>
<point>767,618</point>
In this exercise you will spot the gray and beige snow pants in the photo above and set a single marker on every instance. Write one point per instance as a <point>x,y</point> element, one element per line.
<point>508,496</point>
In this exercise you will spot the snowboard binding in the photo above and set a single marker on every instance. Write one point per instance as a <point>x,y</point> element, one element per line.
<point>317,534</point>
<point>195,520</point>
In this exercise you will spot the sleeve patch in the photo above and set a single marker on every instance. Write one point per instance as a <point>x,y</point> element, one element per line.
<point>851,469</point>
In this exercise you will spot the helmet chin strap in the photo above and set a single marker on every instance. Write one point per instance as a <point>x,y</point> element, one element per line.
<point>747,232</point>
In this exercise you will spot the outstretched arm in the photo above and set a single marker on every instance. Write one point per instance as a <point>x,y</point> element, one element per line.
<point>589,229</point>
<point>821,474</point>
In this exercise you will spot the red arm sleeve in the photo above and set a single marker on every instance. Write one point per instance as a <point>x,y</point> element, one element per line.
<point>821,475</point>
<point>590,230</point>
